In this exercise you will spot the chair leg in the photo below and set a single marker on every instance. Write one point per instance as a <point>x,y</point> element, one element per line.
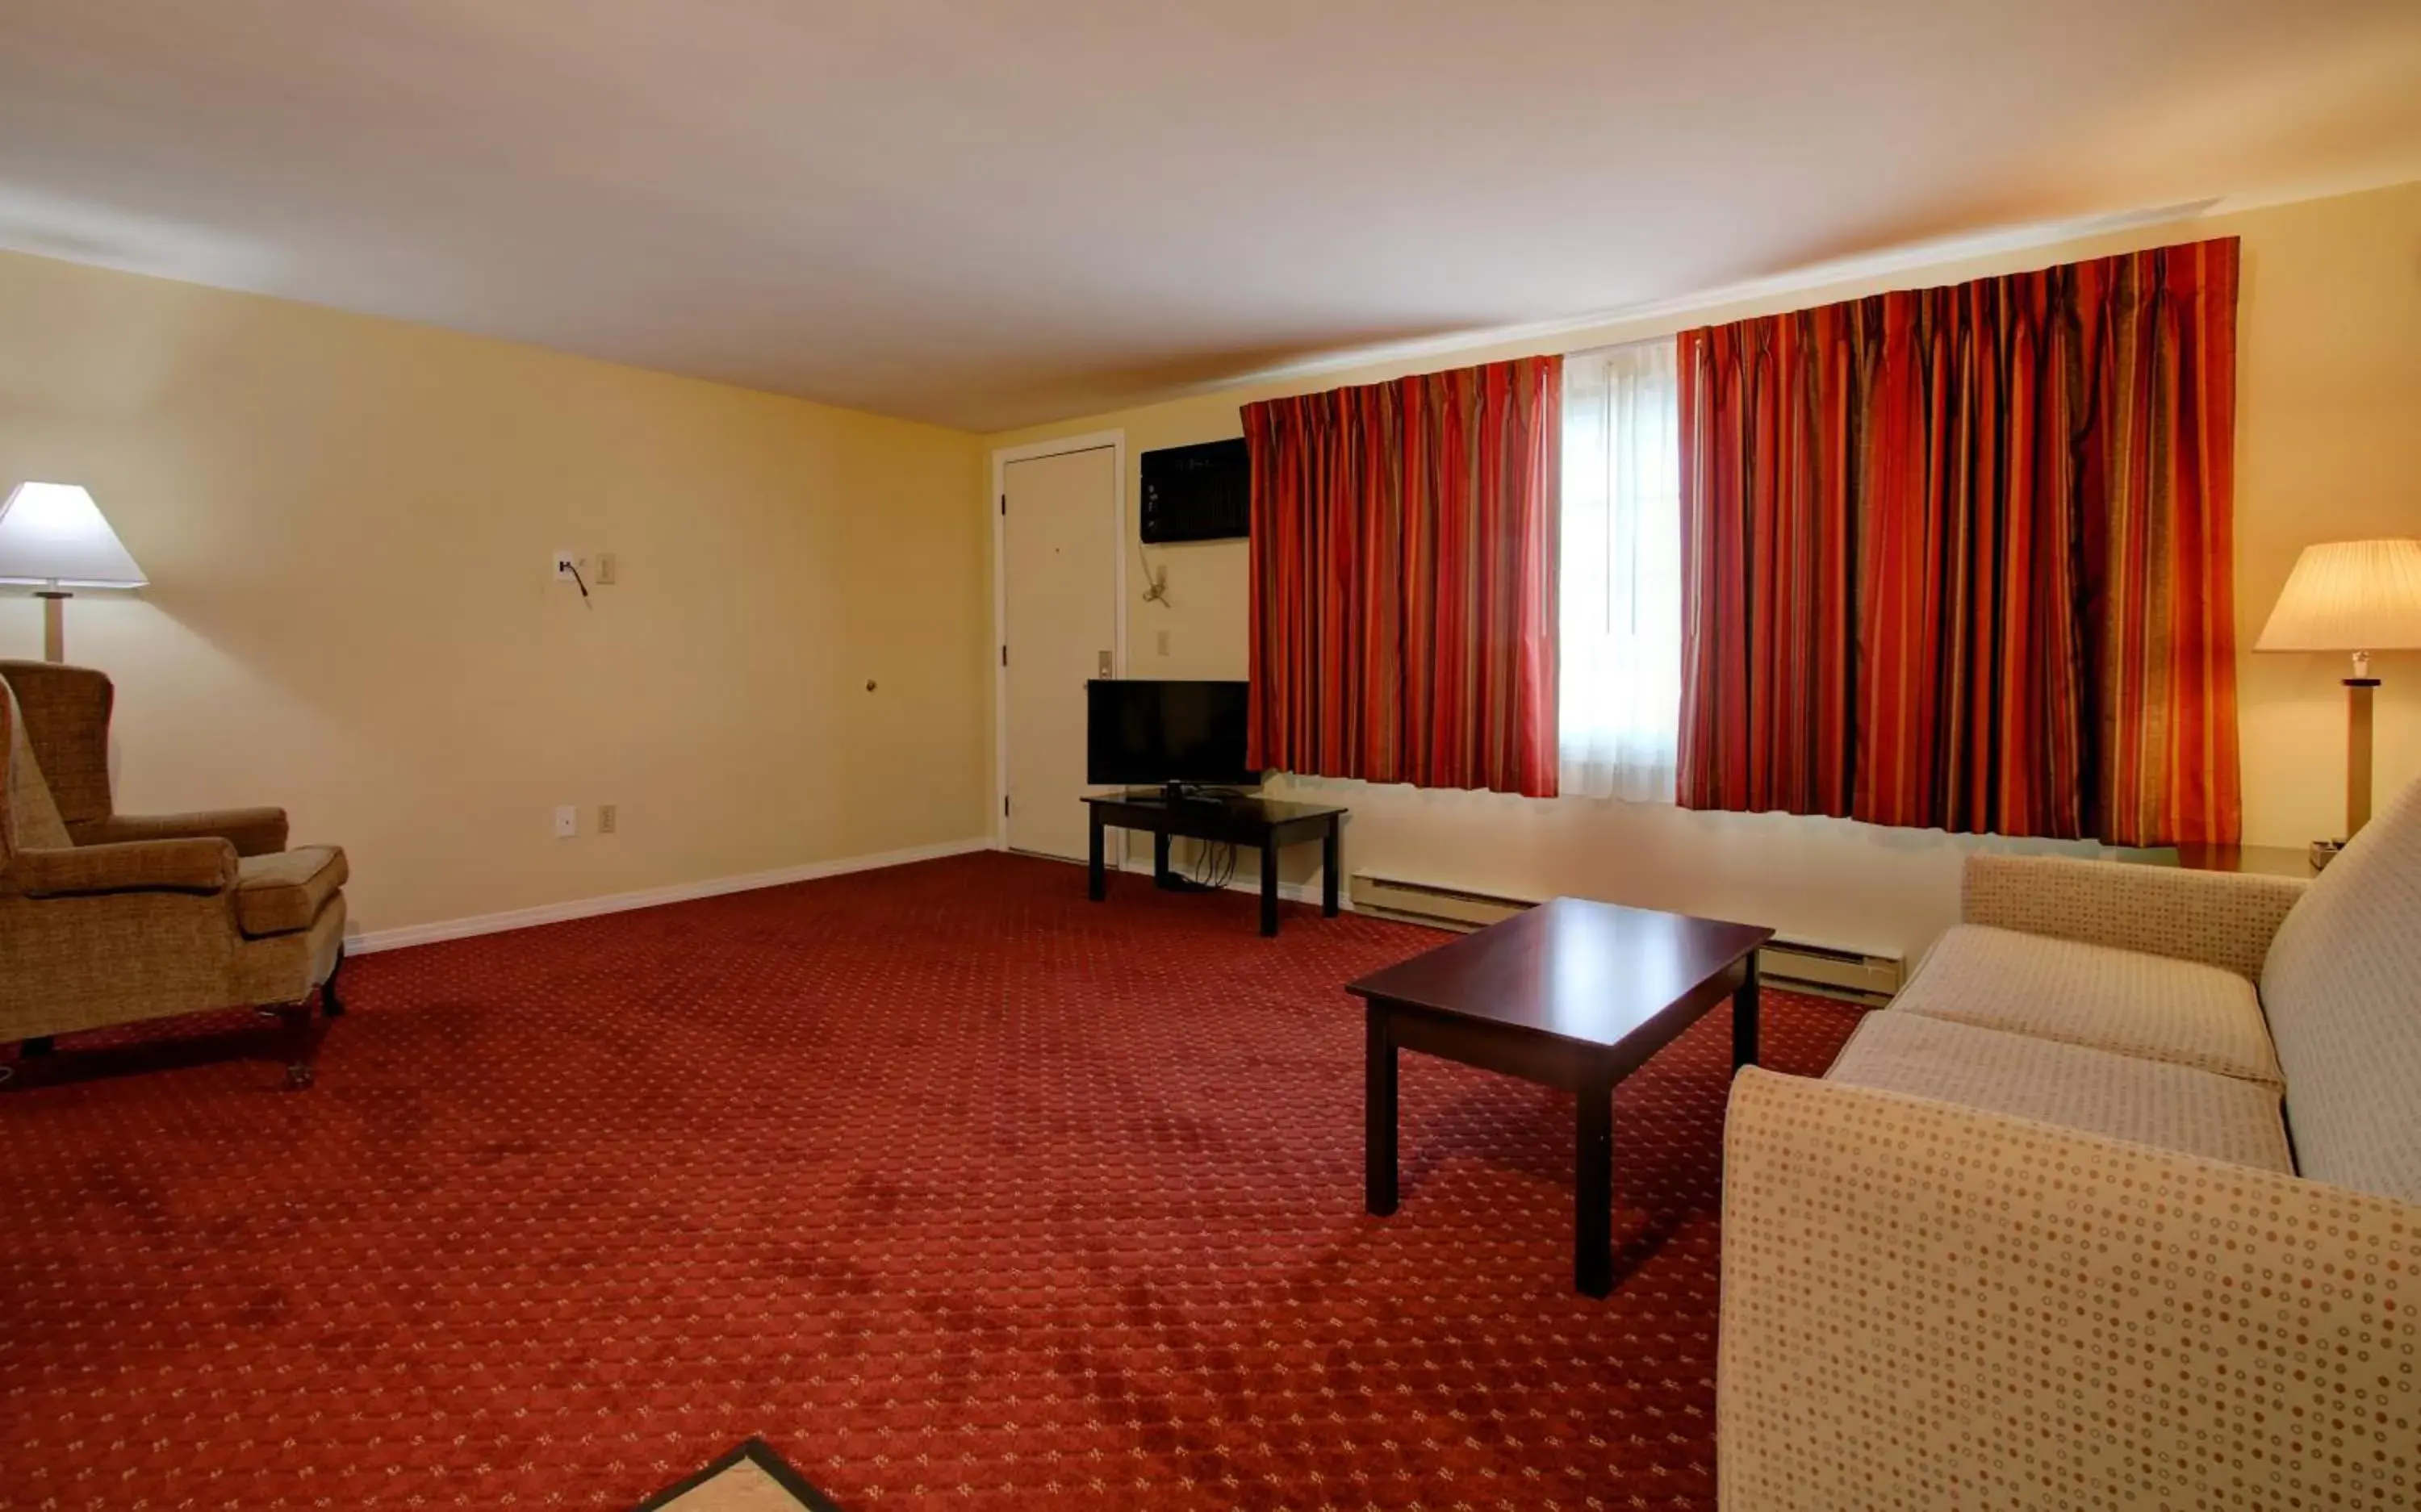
<point>330,1004</point>
<point>304,1045</point>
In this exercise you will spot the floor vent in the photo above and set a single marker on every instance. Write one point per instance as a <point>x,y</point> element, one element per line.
<point>1805,966</point>
<point>1447,908</point>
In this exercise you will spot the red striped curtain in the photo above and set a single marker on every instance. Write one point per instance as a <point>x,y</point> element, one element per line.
<point>1960,558</point>
<point>1405,578</point>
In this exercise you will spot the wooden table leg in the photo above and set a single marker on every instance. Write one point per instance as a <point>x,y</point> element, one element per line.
<point>1593,1192</point>
<point>1097,884</point>
<point>1269,887</point>
<point>1379,1111</point>
<point>1328,877</point>
<point>1744,1017</point>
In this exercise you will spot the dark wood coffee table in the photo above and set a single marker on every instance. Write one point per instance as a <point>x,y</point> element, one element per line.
<point>1571,993</point>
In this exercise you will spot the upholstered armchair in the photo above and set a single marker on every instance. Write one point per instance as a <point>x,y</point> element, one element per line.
<point>108,918</point>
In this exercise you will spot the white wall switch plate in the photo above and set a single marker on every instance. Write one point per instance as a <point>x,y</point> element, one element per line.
<point>563,566</point>
<point>567,822</point>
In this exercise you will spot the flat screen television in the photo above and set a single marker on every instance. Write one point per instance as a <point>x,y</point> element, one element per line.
<point>1202,492</point>
<point>1169,734</point>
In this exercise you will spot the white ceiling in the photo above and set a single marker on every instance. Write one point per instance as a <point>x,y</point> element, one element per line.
<point>992,213</point>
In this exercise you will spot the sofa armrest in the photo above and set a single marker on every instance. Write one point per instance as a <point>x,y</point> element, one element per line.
<point>141,867</point>
<point>1925,1305</point>
<point>2219,918</point>
<point>253,832</point>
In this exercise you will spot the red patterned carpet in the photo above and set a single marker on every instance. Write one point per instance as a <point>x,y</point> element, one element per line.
<point>962,1192</point>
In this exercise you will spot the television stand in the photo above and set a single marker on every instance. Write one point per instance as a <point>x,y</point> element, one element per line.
<point>1263,824</point>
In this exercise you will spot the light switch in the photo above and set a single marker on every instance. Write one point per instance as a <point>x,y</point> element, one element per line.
<point>567,822</point>
<point>1162,643</point>
<point>1106,666</point>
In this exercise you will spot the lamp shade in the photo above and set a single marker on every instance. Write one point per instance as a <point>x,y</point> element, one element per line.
<point>2350,596</point>
<point>51,534</point>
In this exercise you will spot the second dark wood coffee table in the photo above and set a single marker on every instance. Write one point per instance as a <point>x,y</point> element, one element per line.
<point>1571,993</point>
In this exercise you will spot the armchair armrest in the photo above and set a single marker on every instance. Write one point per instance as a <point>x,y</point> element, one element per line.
<point>253,832</point>
<point>2218,918</point>
<point>205,866</point>
<point>1925,1305</point>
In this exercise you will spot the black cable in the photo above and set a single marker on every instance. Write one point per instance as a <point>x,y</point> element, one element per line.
<point>1212,866</point>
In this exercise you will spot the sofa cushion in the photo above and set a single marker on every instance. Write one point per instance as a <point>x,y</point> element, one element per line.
<point>2120,1000</point>
<point>2095,1091</point>
<point>283,892</point>
<point>2343,990</point>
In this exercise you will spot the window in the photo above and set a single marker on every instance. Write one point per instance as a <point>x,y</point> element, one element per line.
<point>1621,694</point>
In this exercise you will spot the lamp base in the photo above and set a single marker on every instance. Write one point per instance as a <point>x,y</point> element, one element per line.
<point>55,622</point>
<point>2358,747</point>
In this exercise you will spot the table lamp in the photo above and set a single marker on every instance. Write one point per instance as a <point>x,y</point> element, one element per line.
<point>2358,597</point>
<point>54,540</point>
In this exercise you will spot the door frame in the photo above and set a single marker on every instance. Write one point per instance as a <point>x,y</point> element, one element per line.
<point>1116,443</point>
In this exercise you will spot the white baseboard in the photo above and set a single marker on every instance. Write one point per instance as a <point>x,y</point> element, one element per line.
<point>370,940</point>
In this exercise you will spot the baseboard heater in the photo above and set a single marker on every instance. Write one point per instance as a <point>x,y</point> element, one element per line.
<point>1794,965</point>
<point>1446,908</point>
<point>1805,966</point>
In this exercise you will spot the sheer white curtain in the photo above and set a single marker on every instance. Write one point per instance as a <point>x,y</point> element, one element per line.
<point>1620,696</point>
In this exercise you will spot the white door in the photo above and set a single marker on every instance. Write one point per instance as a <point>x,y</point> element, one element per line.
<point>1060,537</point>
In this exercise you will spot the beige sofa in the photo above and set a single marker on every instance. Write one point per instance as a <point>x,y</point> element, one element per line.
<point>2118,1204</point>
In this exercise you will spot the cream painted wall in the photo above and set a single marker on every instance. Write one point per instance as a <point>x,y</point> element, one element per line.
<point>347,523</point>
<point>2329,447</point>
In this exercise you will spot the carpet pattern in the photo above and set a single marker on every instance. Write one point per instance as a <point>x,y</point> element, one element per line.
<point>960,1191</point>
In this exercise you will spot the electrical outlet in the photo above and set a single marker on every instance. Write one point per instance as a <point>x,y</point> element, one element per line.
<point>1162,643</point>
<point>606,819</point>
<point>608,572</point>
<point>564,566</point>
<point>567,822</point>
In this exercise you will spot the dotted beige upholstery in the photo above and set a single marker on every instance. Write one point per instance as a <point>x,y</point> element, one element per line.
<point>2124,1001</point>
<point>1929,1306</point>
<point>2123,1097</point>
<point>2223,919</point>
<point>2343,989</point>
<point>2027,1246</point>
